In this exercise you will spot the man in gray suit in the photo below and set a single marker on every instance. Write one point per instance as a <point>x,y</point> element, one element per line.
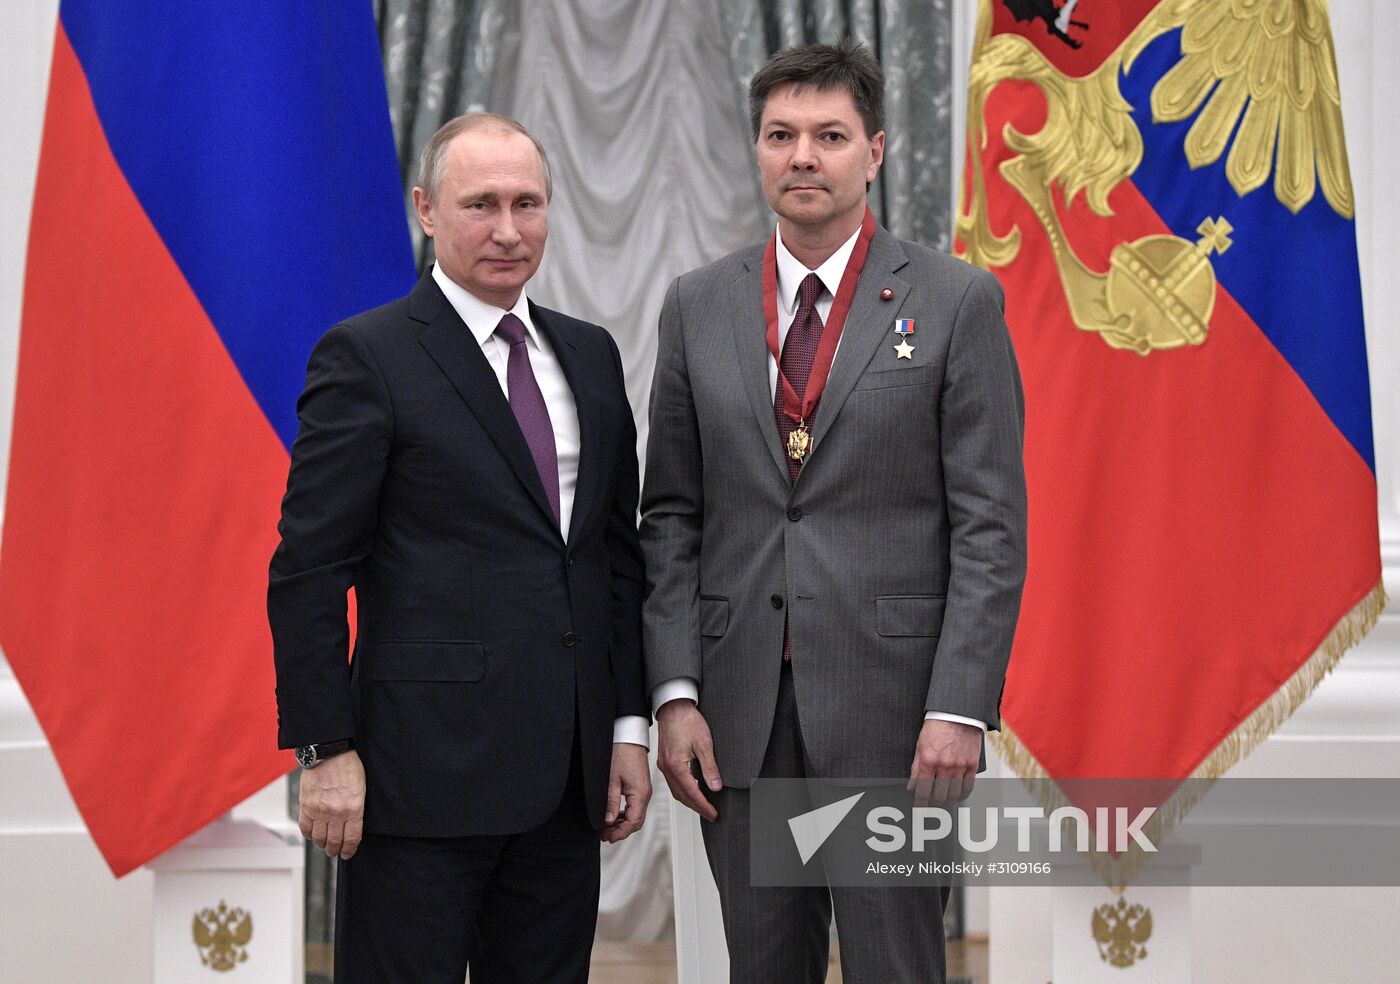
<point>834,520</point>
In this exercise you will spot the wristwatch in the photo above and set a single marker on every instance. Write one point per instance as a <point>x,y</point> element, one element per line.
<point>310,756</point>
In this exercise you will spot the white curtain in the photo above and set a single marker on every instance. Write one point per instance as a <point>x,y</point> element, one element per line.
<point>637,107</point>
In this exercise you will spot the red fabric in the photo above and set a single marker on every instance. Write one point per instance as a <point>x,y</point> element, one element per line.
<point>141,513</point>
<point>1108,25</point>
<point>1198,525</point>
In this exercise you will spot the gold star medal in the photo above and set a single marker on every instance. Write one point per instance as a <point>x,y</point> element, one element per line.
<point>904,327</point>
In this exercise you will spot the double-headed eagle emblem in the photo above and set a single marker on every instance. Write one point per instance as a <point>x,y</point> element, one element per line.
<point>222,935</point>
<point>1259,76</point>
<point>1121,933</point>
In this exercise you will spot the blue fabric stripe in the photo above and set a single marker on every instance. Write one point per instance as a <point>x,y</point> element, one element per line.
<point>256,136</point>
<point>1296,275</point>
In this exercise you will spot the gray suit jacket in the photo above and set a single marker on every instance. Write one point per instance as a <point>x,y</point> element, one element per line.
<point>899,554</point>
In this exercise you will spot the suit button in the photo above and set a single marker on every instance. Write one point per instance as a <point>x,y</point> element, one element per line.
<point>794,514</point>
<point>776,601</point>
<point>570,640</point>
<point>571,562</point>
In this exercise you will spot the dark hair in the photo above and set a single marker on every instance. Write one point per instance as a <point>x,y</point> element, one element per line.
<point>845,65</point>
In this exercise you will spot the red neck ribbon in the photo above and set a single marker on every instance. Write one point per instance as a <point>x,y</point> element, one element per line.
<point>831,331</point>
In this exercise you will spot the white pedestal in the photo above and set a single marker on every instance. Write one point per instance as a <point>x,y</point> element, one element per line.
<point>1140,937</point>
<point>228,907</point>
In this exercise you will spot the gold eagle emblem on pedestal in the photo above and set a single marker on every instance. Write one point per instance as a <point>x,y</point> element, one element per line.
<point>1263,76</point>
<point>1120,932</point>
<point>222,935</point>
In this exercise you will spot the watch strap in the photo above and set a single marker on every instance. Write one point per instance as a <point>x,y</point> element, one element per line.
<point>310,756</point>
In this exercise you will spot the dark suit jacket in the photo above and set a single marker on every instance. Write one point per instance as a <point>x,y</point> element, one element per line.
<point>484,639</point>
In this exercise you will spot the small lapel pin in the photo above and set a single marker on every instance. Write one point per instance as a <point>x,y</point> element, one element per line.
<point>886,294</point>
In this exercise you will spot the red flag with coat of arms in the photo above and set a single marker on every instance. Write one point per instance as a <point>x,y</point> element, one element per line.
<point>1162,189</point>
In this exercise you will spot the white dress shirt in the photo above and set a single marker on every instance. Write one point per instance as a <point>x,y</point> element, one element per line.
<point>481,319</point>
<point>791,273</point>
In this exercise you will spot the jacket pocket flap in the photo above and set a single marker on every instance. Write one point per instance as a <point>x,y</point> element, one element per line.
<point>714,616</point>
<point>909,615</point>
<point>429,661</point>
<point>884,377</point>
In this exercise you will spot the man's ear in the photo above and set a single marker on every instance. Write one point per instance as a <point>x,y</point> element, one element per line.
<point>877,157</point>
<point>423,207</point>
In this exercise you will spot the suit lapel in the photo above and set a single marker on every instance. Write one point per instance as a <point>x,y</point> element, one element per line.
<point>869,322</point>
<point>452,346</point>
<point>589,422</point>
<point>751,340</point>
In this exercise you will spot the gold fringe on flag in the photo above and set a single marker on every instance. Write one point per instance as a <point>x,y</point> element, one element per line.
<point>1118,872</point>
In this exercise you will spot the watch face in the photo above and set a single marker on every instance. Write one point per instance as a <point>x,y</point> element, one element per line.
<point>306,756</point>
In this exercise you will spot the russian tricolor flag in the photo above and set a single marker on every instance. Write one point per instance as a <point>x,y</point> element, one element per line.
<point>216,187</point>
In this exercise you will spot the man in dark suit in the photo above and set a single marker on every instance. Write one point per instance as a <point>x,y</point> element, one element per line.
<point>835,535</point>
<point>466,462</point>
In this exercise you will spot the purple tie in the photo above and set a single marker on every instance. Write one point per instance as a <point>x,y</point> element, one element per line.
<point>530,411</point>
<point>799,351</point>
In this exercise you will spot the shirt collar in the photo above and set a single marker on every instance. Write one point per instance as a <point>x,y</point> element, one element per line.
<point>792,271</point>
<point>482,318</point>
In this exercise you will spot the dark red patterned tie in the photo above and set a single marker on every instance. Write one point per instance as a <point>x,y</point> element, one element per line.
<point>799,349</point>
<point>527,402</point>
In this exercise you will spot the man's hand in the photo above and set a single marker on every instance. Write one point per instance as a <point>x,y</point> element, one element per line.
<point>332,804</point>
<point>685,738</point>
<point>945,762</point>
<point>629,792</point>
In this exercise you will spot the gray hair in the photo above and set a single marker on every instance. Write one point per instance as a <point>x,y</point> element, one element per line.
<point>430,163</point>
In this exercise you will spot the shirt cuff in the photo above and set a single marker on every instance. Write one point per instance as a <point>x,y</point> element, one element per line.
<point>632,729</point>
<point>674,688</point>
<point>955,718</point>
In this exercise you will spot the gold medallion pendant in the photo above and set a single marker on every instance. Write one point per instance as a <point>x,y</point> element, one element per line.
<point>799,443</point>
